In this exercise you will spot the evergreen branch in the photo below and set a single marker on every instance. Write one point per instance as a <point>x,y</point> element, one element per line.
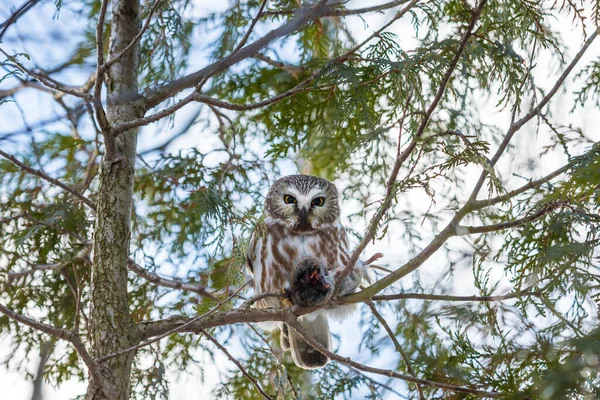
<point>195,96</point>
<point>301,87</point>
<point>170,283</point>
<point>237,364</point>
<point>386,372</point>
<point>397,346</point>
<point>345,12</point>
<point>402,156</point>
<point>84,256</point>
<point>48,178</point>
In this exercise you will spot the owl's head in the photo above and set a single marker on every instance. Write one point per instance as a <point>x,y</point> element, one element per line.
<point>303,202</point>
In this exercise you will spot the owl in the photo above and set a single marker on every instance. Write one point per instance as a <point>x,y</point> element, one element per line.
<point>301,225</point>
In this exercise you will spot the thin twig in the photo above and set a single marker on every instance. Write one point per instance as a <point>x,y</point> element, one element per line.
<point>237,364</point>
<point>397,345</point>
<point>14,17</point>
<point>442,297</point>
<point>48,178</point>
<point>104,67</point>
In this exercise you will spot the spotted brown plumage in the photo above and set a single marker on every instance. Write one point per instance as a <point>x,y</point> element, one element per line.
<point>301,221</point>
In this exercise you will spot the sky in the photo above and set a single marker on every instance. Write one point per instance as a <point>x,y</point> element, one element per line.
<point>47,52</point>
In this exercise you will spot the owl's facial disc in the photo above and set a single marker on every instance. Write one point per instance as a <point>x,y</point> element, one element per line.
<point>302,209</point>
<point>303,203</point>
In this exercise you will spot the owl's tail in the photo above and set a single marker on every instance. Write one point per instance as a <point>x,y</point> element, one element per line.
<point>304,355</point>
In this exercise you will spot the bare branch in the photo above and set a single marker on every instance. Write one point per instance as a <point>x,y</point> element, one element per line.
<point>237,364</point>
<point>170,283</point>
<point>14,17</point>
<point>548,208</point>
<point>104,67</point>
<point>39,326</point>
<point>48,178</point>
<point>476,205</point>
<point>97,98</point>
<point>250,29</point>
<point>47,81</point>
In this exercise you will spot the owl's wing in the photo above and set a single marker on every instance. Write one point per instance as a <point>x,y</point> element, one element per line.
<point>252,252</point>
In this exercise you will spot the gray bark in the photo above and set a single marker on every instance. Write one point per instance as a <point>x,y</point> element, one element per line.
<point>111,325</point>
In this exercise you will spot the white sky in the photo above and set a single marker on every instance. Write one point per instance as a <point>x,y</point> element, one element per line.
<point>188,387</point>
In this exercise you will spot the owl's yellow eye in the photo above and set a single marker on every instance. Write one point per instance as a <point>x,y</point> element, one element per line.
<point>318,201</point>
<point>289,199</point>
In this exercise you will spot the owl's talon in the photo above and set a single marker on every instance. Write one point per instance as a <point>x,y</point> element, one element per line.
<point>286,301</point>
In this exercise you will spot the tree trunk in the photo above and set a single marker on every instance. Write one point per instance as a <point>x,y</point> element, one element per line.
<point>111,325</point>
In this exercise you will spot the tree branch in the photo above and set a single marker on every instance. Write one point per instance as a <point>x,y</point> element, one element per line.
<point>47,81</point>
<point>71,337</point>
<point>97,97</point>
<point>163,328</point>
<point>441,297</point>
<point>479,204</point>
<point>170,283</point>
<point>548,208</point>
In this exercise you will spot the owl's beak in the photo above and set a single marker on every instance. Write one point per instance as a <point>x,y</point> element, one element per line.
<point>303,216</point>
